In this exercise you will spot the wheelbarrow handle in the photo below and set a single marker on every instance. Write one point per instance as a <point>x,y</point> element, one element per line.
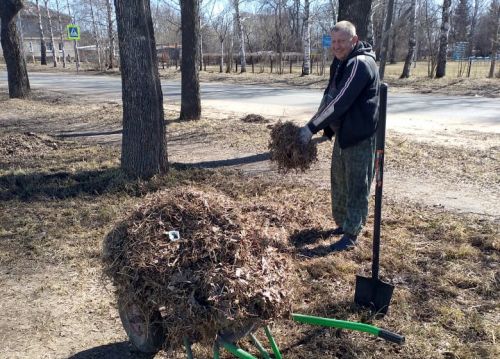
<point>391,337</point>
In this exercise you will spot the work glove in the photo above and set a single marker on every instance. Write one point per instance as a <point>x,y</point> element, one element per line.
<point>305,135</point>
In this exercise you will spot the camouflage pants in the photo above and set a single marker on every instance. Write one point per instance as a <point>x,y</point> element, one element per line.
<point>351,177</point>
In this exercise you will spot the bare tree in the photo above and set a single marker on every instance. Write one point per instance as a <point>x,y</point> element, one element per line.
<point>43,47</point>
<point>221,27</point>
<point>51,32</point>
<point>306,68</point>
<point>241,37</point>
<point>61,33</point>
<point>111,37</point>
<point>443,39</point>
<point>385,38</point>
<point>144,145</point>
<point>190,90</point>
<point>412,40</point>
<point>75,43</point>
<point>96,34</point>
<point>472,31</point>
<point>495,12</point>
<point>17,75</point>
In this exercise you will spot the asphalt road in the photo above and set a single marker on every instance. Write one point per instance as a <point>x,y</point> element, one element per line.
<point>406,112</point>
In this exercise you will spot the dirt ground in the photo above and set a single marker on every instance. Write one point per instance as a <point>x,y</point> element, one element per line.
<point>61,192</point>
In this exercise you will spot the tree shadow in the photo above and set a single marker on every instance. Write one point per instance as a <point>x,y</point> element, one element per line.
<point>260,157</point>
<point>62,184</point>
<point>65,184</point>
<point>118,350</point>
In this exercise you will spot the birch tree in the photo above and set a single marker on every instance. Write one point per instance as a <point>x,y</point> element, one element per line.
<point>144,144</point>
<point>61,33</point>
<point>443,39</point>
<point>111,37</point>
<point>95,34</point>
<point>221,27</point>
<point>241,37</point>
<point>306,68</point>
<point>55,51</point>
<point>43,47</point>
<point>17,75</point>
<point>75,43</point>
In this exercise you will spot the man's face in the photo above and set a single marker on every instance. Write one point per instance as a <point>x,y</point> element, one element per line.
<point>342,44</point>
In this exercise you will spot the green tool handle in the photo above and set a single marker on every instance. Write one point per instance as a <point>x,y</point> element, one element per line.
<point>233,349</point>
<point>344,324</point>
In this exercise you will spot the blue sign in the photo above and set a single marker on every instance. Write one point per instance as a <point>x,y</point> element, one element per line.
<point>327,41</point>
<point>73,32</point>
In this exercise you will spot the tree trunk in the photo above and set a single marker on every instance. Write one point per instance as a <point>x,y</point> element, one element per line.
<point>412,41</point>
<point>241,36</point>
<point>75,43</point>
<point>333,9</point>
<point>357,12</point>
<point>96,35</point>
<point>144,145</point>
<point>443,40</point>
<point>306,68</point>
<point>61,33</point>
<point>221,67</point>
<point>472,31</point>
<point>43,47</point>
<point>190,91</point>
<point>200,49</point>
<point>17,75</point>
<point>494,40</point>
<point>385,39</point>
<point>49,18</point>
<point>229,62</point>
<point>111,38</point>
<point>279,36</point>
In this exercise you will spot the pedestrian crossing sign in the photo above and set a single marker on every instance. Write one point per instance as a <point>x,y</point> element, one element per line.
<point>73,32</point>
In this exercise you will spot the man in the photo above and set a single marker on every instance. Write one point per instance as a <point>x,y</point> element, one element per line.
<point>349,109</point>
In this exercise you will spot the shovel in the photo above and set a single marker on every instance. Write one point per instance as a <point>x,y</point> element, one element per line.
<point>372,292</point>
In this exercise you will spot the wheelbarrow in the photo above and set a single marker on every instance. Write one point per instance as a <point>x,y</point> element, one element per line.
<point>147,334</point>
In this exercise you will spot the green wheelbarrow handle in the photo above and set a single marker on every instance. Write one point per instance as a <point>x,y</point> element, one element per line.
<point>344,324</point>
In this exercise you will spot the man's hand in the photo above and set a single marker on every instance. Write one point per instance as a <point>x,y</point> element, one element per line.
<point>305,135</point>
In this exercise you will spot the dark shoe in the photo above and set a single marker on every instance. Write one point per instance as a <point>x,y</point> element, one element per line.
<point>348,241</point>
<point>337,231</point>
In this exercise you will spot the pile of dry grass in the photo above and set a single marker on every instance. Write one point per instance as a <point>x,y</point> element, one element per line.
<point>221,275</point>
<point>286,150</point>
<point>253,118</point>
<point>24,144</point>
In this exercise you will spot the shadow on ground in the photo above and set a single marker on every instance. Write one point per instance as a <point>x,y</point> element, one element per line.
<point>118,350</point>
<point>64,184</point>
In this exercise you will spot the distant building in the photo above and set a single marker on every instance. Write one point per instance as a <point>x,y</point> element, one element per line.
<point>27,26</point>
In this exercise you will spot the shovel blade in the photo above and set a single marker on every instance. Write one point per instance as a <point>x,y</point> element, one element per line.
<point>373,293</point>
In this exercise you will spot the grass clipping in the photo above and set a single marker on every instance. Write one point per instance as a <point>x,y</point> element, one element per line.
<point>287,152</point>
<point>220,276</point>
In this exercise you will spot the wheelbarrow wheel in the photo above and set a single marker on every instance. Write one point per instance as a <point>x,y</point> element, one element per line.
<point>145,331</point>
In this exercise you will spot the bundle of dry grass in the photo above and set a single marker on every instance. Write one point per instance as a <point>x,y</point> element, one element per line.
<point>287,152</point>
<point>219,276</point>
